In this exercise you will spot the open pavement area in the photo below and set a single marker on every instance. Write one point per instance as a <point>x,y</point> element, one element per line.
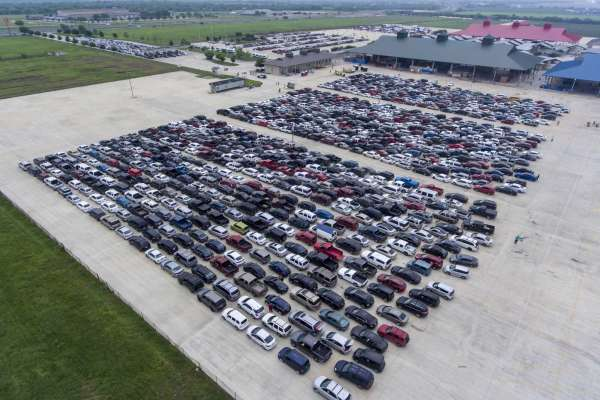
<point>525,327</point>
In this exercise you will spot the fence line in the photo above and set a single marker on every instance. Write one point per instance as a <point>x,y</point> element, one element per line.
<point>206,369</point>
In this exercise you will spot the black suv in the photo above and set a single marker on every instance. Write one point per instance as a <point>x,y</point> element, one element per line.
<point>359,296</point>
<point>414,306</point>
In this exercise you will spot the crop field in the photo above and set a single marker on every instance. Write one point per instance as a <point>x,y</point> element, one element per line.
<point>64,335</point>
<point>196,32</point>
<point>27,68</point>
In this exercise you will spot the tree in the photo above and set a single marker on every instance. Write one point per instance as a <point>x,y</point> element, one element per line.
<point>232,59</point>
<point>220,56</point>
<point>115,35</point>
<point>125,34</point>
<point>171,43</point>
<point>101,34</point>
<point>209,54</point>
<point>19,22</point>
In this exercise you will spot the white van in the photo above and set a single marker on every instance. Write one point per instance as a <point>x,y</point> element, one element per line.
<point>277,325</point>
<point>427,194</point>
<point>301,190</point>
<point>392,189</point>
<point>441,289</point>
<point>307,215</point>
<point>297,261</point>
<point>235,318</point>
<point>376,259</point>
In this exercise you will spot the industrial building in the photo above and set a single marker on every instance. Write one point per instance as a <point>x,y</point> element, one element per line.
<point>293,64</point>
<point>88,14</point>
<point>519,30</point>
<point>484,59</point>
<point>581,74</point>
<point>226,84</point>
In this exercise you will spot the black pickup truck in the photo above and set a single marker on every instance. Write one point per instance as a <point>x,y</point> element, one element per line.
<point>311,345</point>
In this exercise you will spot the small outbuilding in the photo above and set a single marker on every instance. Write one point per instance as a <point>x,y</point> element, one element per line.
<point>226,84</point>
<point>293,64</point>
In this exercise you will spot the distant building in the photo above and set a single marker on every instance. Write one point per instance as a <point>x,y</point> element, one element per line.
<point>91,13</point>
<point>581,74</point>
<point>519,30</point>
<point>484,59</point>
<point>296,64</point>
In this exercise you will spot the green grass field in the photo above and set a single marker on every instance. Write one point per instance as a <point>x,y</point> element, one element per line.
<point>197,32</point>
<point>26,67</point>
<point>63,335</point>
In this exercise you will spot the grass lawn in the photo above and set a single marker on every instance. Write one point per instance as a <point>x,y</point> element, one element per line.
<point>63,335</point>
<point>198,32</point>
<point>26,67</point>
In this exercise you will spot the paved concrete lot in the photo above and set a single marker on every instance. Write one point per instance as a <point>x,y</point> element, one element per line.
<point>526,326</point>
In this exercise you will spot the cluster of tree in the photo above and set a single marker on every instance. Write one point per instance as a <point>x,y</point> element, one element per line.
<point>79,30</point>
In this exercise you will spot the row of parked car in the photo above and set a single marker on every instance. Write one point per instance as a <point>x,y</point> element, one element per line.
<point>450,99</point>
<point>467,154</point>
<point>158,190</point>
<point>131,48</point>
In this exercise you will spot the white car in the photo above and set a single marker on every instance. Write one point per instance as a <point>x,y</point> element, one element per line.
<point>467,242</point>
<point>73,199</point>
<point>256,237</point>
<point>169,203</point>
<point>456,270</point>
<point>337,341</point>
<point>352,276</point>
<point>517,187</point>
<point>363,218</point>
<point>261,337</point>
<point>251,307</point>
<point>397,222</point>
<point>277,324</point>
<point>154,194</point>
<point>84,206</point>
<point>297,261</point>
<point>218,231</point>
<point>463,183</point>
<point>183,198</point>
<point>123,214</point>
<point>235,318</point>
<point>124,232</point>
<point>250,171</point>
<point>342,208</point>
<point>276,248</point>
<point>385,250</point>
<point>442,178</point>
<point>265,178</point>
<point>75,184</point>
<point>289,231</point>
<point>482,239</point>
<point>423,235</point>
<point>301,190</point>
<point>361,239</point>
<point>235,257</point>
<point>155,255</point>
<point>441,289</point>
<point>330,389</point>
<point>112,194</point>
<point>265,216</point>
<point>306,215</point>
<point>97,198</point>
<point>349,202</point>
<point>171,267</point>
<point>110,206</point>
<point>167,230</point>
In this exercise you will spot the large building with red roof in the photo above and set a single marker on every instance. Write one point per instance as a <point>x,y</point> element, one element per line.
<point>520,30</point>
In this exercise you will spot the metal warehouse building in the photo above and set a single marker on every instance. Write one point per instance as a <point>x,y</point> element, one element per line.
<point>581,74</point>
<point>484,59</point>
<point>296,64</point>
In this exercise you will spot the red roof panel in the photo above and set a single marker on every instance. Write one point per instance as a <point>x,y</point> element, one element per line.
<point>520,30</point>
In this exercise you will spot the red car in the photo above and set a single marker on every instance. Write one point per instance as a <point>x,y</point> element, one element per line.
<point>411,205</point>
<point>435,261</point>
<point>347,222</point>
<point>254,185</point>
<point>329,249</point>
<point>239,243</point>
<point>307,237</point>
<point>393,334</point>
<point>485,189</point>
<point>393,282</point>
<point>224,265</point>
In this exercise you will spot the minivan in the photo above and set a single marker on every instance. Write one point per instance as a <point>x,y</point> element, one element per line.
<point>376,259</point>
<point>227,289</point>
<point>294,359</point>
<point>235,318</point>
<point>110,222</point>
<point>420,266</point>
<point>306,298</point>
<point>277,325</point>
<point>186,258</point>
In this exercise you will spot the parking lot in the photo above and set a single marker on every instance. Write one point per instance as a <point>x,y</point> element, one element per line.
<point>449,99</point>
<point>529,305</point>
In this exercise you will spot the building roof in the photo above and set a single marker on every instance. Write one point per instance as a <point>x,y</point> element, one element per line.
<point>298,60</point>
<point>495,55</point>
<point>585,68</point>
<point>520,30</point>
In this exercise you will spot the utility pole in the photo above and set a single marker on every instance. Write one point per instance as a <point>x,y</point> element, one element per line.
<point>131,88</point>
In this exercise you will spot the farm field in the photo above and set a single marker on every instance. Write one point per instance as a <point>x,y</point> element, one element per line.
<point>196,32</point>
<point>26,68</point>
<point>66,336</point>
